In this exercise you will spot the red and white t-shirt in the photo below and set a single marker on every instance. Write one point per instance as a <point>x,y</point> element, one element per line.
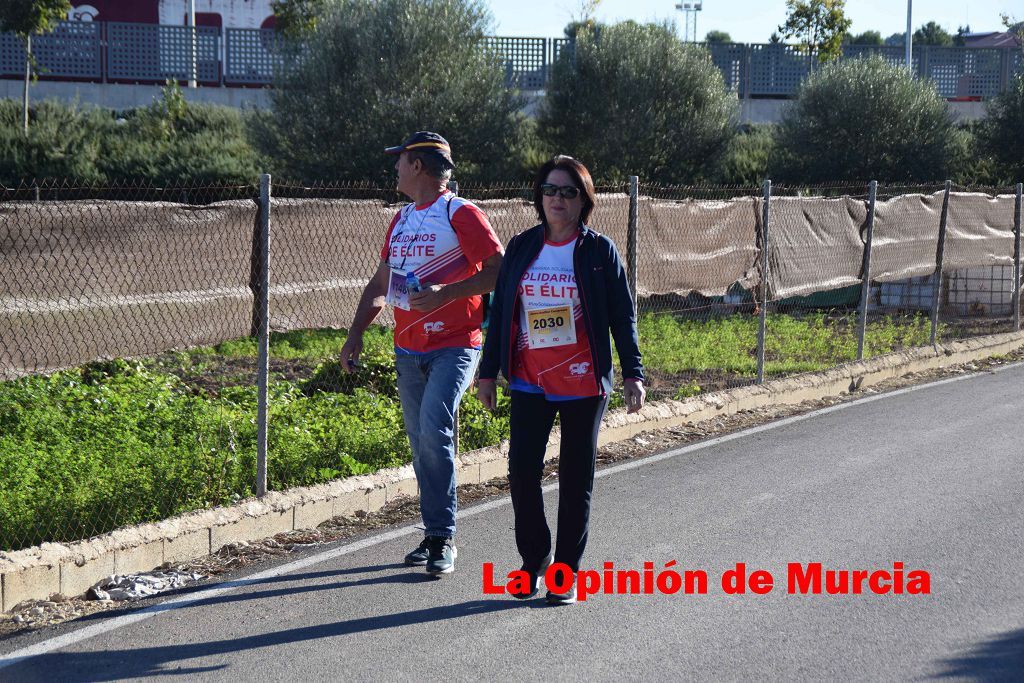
<point>552,351</point>
<point>422,240</point>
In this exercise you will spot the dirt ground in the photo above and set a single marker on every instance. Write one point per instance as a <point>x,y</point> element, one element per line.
<point>40,614</point>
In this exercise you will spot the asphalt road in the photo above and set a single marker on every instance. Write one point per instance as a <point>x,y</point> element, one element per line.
<point>932,478</point>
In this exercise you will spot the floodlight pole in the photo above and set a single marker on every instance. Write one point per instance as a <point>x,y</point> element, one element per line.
<point>689,10</point>
<point>192,76</point>
<point>910,36</point>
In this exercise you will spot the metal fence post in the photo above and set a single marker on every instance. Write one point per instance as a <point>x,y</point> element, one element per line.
<point>865,290</point>
<point>28,78</point>
<point>263,363</point>
<point>936,299</point>
<point>631,241</point>
<point>1016,260</point>
<point>765,216</point>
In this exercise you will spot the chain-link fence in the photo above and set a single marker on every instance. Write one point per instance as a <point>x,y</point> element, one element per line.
<point>135,322</point>
<point>90,276</point>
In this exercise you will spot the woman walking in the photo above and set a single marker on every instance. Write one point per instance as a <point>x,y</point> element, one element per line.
<point>560,290</point>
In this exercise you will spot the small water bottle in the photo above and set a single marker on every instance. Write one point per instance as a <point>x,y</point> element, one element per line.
<point>412,283</point>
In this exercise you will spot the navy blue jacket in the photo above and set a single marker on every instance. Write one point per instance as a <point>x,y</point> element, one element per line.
<point>604,293</point>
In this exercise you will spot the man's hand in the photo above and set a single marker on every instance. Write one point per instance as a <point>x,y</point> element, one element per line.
<point>428,298</point>
<point>487,393</point>
<point>634,394</point>
<point>350,352</point>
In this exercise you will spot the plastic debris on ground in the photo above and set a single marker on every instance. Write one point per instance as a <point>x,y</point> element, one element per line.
<point>135,586</point>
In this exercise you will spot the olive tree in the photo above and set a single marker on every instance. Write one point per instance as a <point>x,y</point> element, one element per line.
<point>374,71</point>
<point>859,119</point>
<point>631,99</point>
<point>1001,131</point>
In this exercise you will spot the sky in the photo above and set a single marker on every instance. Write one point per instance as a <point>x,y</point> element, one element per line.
<point>750,21</point>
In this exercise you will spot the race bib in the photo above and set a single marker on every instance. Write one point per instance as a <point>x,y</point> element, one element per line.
<point>398,293</point>
<point>551,326</point>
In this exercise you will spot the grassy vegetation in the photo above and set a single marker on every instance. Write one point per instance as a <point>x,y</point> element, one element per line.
<point>793,344</point>
<point>88,450</point>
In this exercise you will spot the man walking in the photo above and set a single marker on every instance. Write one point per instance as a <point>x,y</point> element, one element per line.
<point>440,255</point>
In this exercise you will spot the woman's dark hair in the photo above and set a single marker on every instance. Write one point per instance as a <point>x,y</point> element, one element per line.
<point>580,175</point>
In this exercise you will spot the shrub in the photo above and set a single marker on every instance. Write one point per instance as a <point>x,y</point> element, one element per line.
<point>167,142</point>
<point>860,119</point>
<point>973,164</point>
<point>746,159</point>
<point>373,73</point>
<point>1002,133</point>
<point>62,142</point>
<point>171,141</point>
<point>631,99</point>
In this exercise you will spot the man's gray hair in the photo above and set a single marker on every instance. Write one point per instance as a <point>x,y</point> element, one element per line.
<point>435,166</point>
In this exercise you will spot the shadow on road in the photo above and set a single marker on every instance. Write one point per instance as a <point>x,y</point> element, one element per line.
<point>998,659</point>
<point>112,665</point>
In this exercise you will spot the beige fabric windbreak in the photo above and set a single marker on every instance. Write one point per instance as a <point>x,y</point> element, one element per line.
<point>83,280</point>
<point>86,280</point>
<point>814,244</point>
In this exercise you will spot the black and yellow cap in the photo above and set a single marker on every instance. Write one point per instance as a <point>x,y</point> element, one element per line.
<point>425,141</point>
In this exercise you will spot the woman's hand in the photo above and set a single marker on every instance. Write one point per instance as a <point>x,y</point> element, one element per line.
<point>634,394</point>
<point>487,393</point>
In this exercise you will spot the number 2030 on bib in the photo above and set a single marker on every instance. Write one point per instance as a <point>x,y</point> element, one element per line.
<point>552,326</point>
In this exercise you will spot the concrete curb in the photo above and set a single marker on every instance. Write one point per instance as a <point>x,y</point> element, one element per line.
<point>71,568</point>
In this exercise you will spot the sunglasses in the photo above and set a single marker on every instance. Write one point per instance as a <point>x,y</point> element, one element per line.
<point>563,191</point>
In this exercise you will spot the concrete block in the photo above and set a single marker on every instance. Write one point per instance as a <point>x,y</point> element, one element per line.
<point>623,432</point>
<point>551,453</point>
<point>348,504</point>
<point>376,498</point>
<point>400,488</point>
<point>75,580</point>
<point>467,474</point>
<point>493,469</point>
<point>251,528</point>
<point>186,547</point>
<point>142,558</point>
<point>34,583</point>
<point>311,514</point>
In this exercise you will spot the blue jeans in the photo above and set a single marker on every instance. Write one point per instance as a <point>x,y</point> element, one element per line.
<point>430,386</point>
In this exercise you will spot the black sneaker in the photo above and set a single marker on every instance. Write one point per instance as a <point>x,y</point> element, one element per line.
<point>536,577</point>
<point>418,557</point>
<point>562,598</point>
<point>441,554</point>
<point>566,598</point>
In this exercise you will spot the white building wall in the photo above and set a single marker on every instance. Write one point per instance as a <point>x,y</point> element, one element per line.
<point>234,13</point>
